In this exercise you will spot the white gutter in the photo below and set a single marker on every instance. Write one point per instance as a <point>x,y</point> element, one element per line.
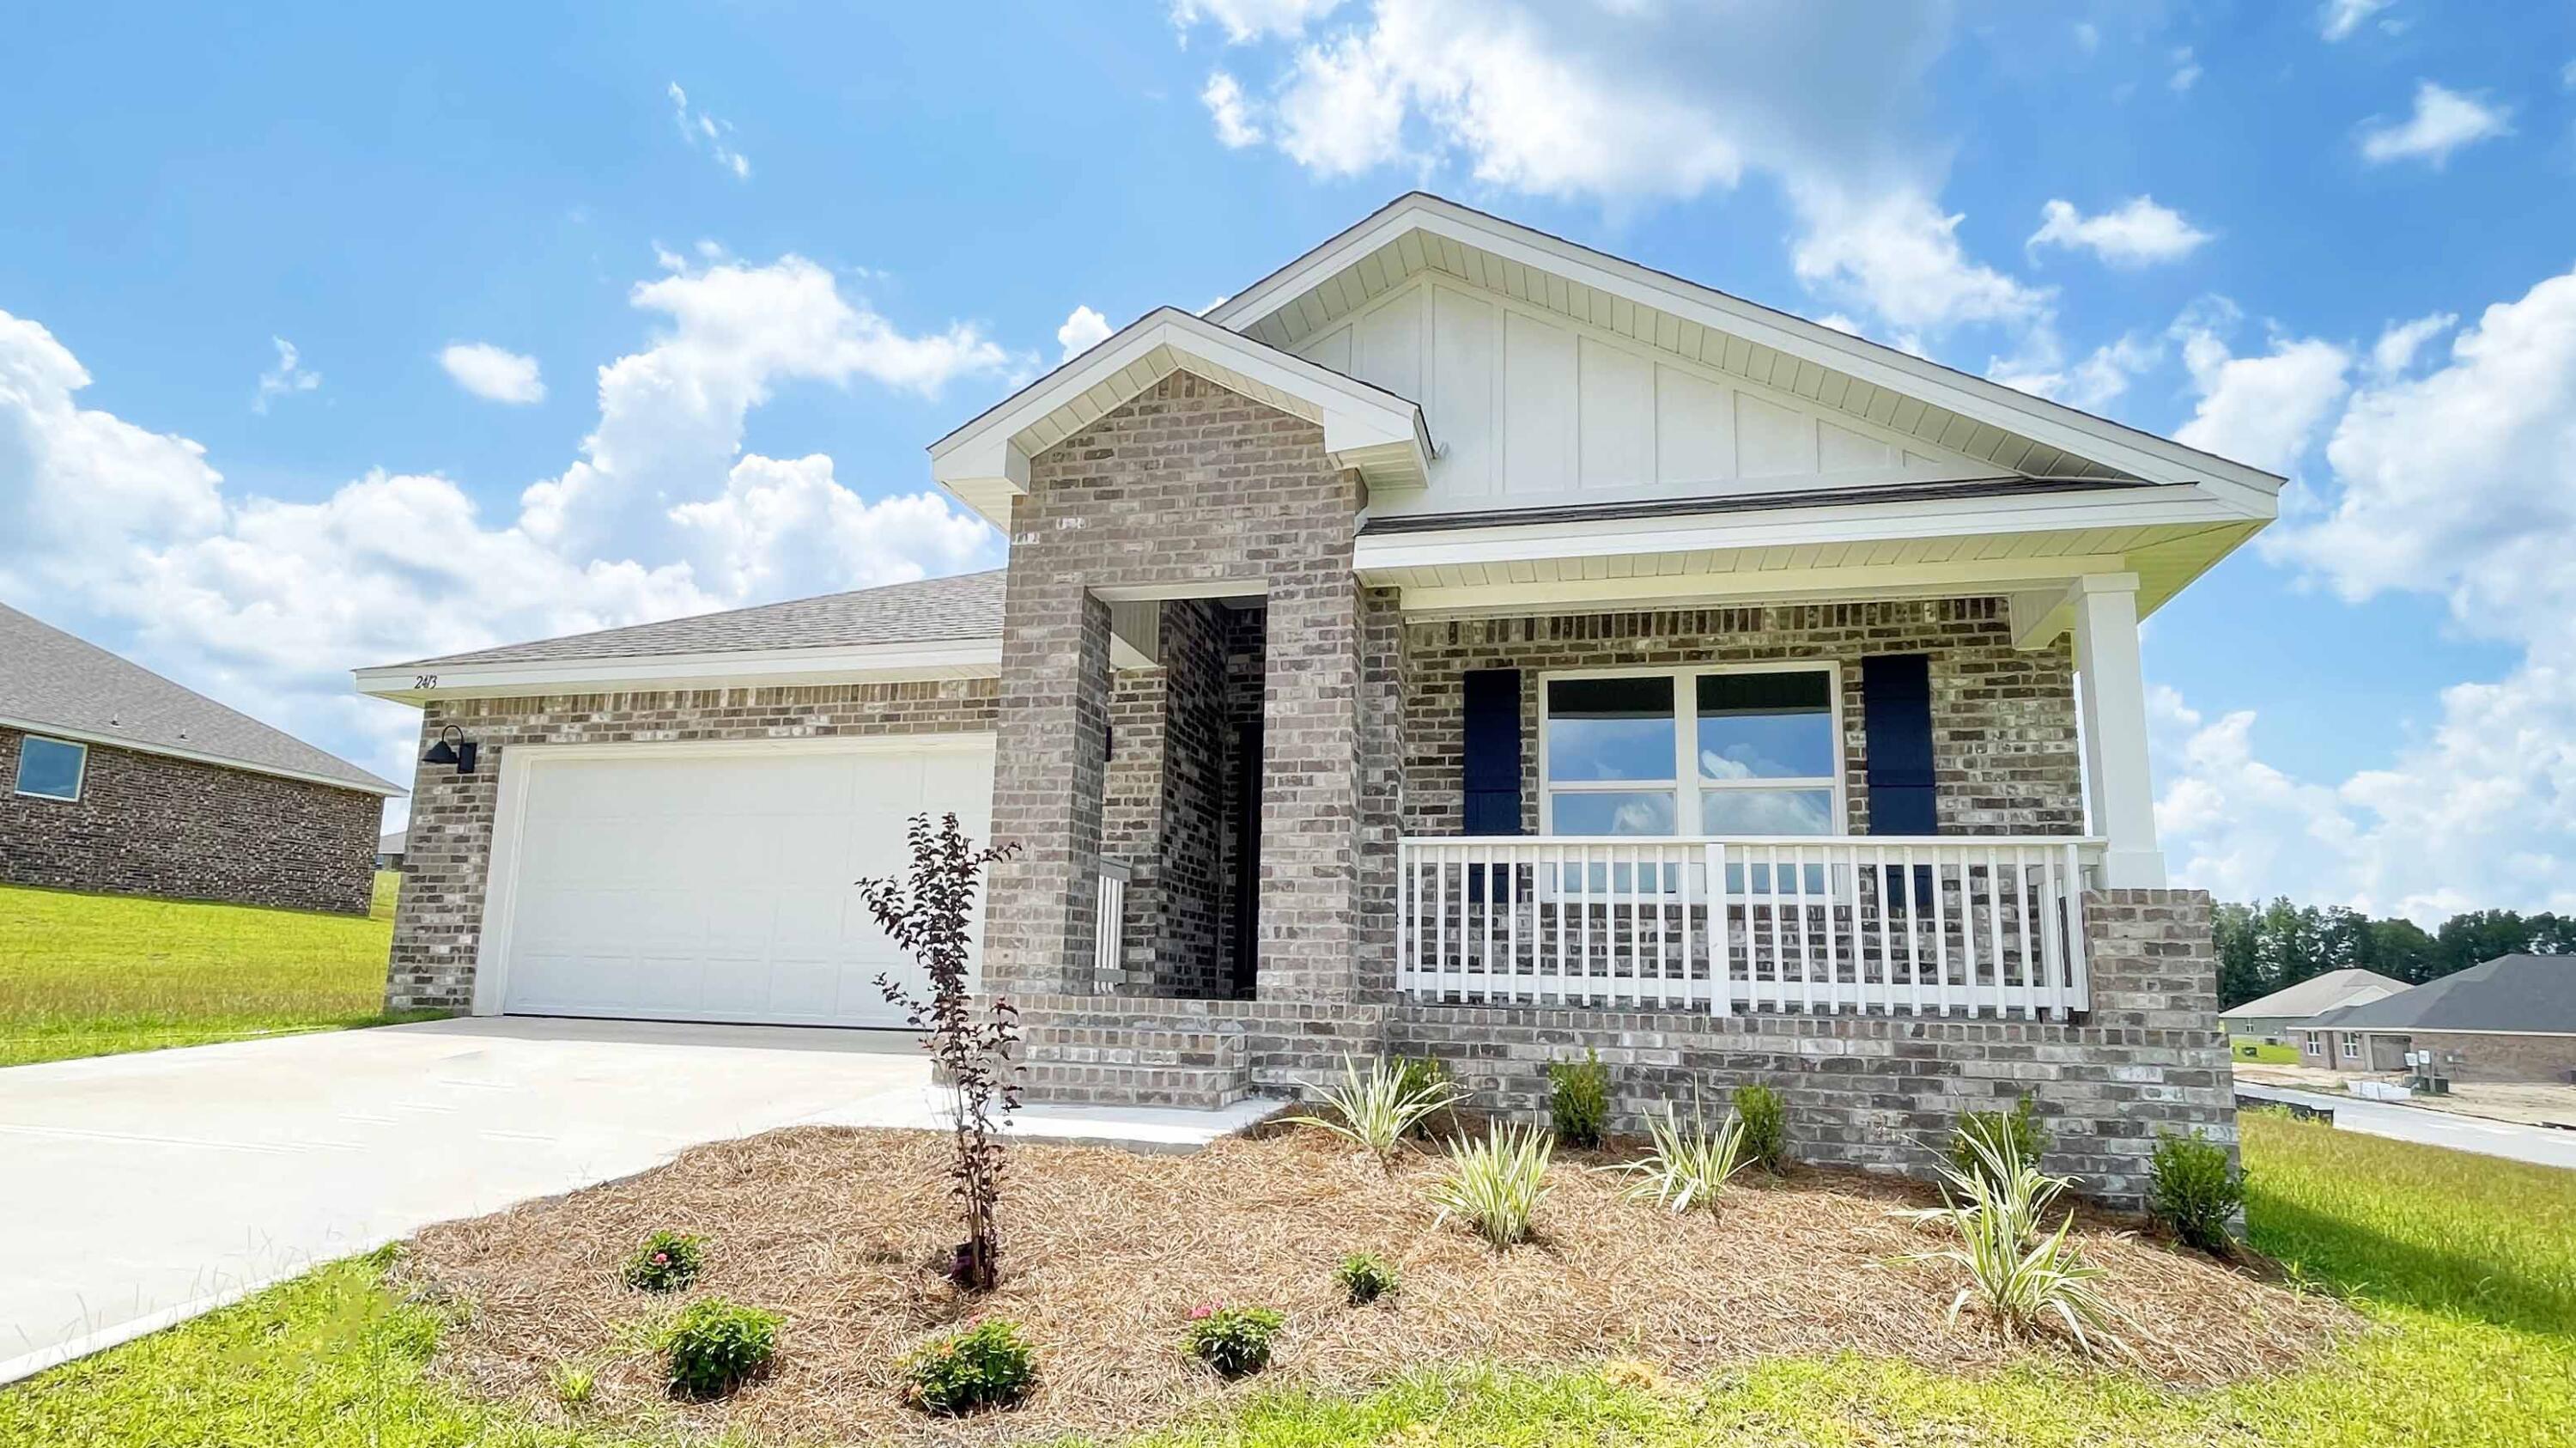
<point>629,673</point>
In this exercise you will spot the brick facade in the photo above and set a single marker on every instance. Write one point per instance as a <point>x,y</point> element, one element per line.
<point>149,824</point>
<point>439,921</point>
<point>2466,1055</point>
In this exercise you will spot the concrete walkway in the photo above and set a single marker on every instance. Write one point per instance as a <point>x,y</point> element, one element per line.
<point>2536,1144</point>
<point>137,1191</point>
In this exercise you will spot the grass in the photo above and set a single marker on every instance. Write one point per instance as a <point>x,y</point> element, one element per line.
<point>93,975</point>
<point>2466,1263</point>
<point>2265,1054</point>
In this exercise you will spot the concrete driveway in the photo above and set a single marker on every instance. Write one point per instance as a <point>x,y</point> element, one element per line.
<point>137,1191</point>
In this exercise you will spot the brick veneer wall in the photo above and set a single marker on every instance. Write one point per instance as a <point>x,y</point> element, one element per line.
<point>2003,719</point>
<point>148,824</point>
<point>2483,1055</point>
<point>438,924</point>
<point>1189,941</point>
<point>1187,487</point>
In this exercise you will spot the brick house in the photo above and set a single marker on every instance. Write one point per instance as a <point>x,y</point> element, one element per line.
<point>115,779</point>
<point>1459,642</point>
<point>2512,1018</point>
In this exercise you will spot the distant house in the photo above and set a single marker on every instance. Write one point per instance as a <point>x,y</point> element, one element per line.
<point>113,778</point>
<point>2511,1019</point>
<point>2271,1017</point>
<point>389,850</point>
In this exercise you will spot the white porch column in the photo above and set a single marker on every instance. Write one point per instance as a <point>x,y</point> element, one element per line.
<point>2105,625</point>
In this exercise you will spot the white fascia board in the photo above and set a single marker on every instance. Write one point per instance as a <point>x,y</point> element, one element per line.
<point>2037,512</point>
<point>763,668</point>
<point>2249,491</point>
<point>981,464</point>
<point>1928,579</point>
<point>195,756</point>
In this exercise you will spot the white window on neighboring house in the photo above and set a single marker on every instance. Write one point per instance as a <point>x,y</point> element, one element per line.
<point>2351,1047</point>
<point>51,768</point>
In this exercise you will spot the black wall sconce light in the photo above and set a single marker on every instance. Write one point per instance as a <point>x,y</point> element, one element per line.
<point>459,752</point>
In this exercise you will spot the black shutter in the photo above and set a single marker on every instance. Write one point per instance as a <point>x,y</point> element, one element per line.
<point>1492,736</point>
<point>1896,740</point>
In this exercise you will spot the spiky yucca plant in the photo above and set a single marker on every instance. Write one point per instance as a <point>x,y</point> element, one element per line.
<point>2025,1275</point>
<point>1495,1185</point>
<point>1379,1109</point>
<point>1689,1164</point>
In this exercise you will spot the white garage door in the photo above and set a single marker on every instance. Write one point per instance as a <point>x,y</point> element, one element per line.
<point>713,882</point>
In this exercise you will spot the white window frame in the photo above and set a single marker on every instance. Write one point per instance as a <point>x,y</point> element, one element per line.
<point>2351,1046</point>
<point>80,772</point>
<point>2315,1047</point>
<point>1685,784</point>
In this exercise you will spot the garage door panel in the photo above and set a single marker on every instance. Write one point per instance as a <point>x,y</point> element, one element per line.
<point>720,885</point>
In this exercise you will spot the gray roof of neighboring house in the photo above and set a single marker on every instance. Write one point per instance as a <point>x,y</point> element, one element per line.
<point>52,681</point>
<point>2511,993</point>
<point>934,610</point>
<point>391,842</point>
<point>2317,993</point>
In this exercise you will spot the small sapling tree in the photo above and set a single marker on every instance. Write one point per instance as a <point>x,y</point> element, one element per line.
<point>925,912</point>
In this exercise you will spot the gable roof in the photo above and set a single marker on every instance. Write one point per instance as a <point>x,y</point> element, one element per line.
<point>2318,993</point>
<point>934,628</point>
<point>1957,411</point>
<point>56,684</point>
<point>985,462</point>
<point>2511,994</point>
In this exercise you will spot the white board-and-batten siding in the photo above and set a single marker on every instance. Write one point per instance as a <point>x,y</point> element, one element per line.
<point>1531,409</point>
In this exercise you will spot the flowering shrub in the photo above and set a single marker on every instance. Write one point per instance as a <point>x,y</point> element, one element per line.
<point>1366,1277</point>
<point>667,1262</point>
<point>1233,1340</point>
<point>986,1364</point>
<point>716,1347</point>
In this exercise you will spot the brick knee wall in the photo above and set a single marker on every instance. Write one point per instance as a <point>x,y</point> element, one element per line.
<point>148,824</point>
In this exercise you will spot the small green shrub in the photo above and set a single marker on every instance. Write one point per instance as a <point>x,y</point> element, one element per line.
<point>667,1262</point>
<point>716,1347</point>
<point>1766,1126</point>
<point>1378,1110</point>
<point>1689,1164</point>
<point>2017,1130</point>
<point>2195,1189</point>
<point>1233,1340</point>
<point>571,1383</point>
<point>1427,1078</point>
<point>1579,1099</point>
<point>1496,1184</point>
<point>1366,1277</point>
<point>2026,1276</point>
<point>987,1364</point>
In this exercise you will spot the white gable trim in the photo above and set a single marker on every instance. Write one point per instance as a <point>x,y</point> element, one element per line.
<point>985,463</point>
<point>2249,492</point>
<point>734,668</point>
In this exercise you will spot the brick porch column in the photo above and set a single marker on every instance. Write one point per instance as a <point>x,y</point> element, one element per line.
<point>1310,797</point>
<point>1049,775</point>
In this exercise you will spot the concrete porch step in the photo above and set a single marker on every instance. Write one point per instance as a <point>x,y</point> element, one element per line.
<point>1197,1088</point>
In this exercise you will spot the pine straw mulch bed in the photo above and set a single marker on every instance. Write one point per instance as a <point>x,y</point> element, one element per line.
<point>1105,1252</point>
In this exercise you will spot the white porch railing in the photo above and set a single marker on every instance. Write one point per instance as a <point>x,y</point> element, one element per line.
<point>1109,931</point>
<point>1954,925</point>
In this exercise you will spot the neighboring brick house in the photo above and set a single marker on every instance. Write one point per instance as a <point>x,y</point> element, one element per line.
<point>113,778</point>
<point>1458,642</point>
<point>2512,1018</point>
<point>2272,1017</point>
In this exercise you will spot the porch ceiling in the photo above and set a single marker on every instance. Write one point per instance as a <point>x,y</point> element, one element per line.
<point>2025,547</point>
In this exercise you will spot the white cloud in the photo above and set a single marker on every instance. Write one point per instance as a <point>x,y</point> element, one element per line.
<point>705,132</point>
<point>2186,70</point>
<point>288,376</point>
<point>1343,111</point>
<point>2341,18</point>
<point>1082,331</point>
<point>129,535</point>
<point>671,417</point>
<point>1248,20</point>
<point>495,374</point>
<point>1897,253</point>
<point>2136,233</point>
<point>2395,350</point>
<point>2261,410</point>
<point>2443,121</point>
<point>2459,484</point>
<point>1235,126</point>
<point>2092,384</point>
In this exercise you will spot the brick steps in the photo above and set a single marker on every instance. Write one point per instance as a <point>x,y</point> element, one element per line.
<point>1188,1066</point>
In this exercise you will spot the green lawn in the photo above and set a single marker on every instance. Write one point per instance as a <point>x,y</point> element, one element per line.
<point>2266,1054</point>
<point>2468,1265</point>
<point>91,975</point>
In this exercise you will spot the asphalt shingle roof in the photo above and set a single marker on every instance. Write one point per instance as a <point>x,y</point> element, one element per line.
<point>52,680</point>
<point>934,610</point>
<point>2319,993</point>
<point>2513,993</point>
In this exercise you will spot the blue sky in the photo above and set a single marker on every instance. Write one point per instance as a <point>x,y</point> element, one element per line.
<point>807,240</point>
